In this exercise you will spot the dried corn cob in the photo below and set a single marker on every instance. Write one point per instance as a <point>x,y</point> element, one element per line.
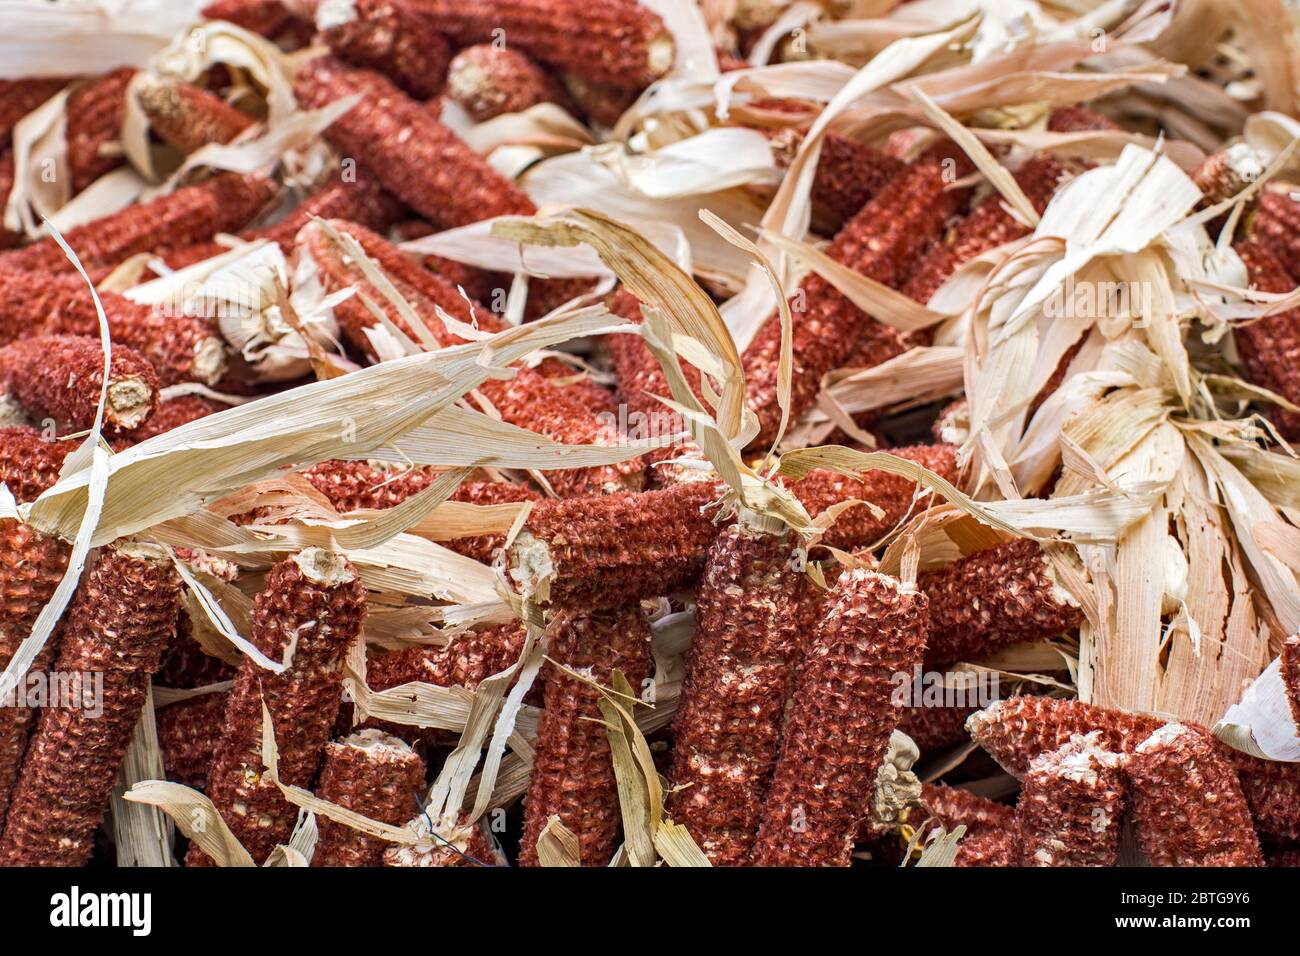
<point>1187,803</point>
<point>1275,228</point>
<point>173,413</point>
<point>372,774</point>
<point>59,377</point>
<point>951,807</point>
<point>94,119</point>
<point>223,203</point>
<point>988,600</point>
<point>1291,675</point>
<point>600,102</point>
<point>188,733</point>
<point>1078,119</point>
<point>20,97</point>
<point>1270,347</point>
<point>266,17</point>
<point>484,547</point>
<point>728,727</point>
<point>934,727</point>
<point>989,848</point>
<point>186,116</point>
<point>622,547</point>
<point>487,81</point>
<point>30,462</point>
<point>619,43</point>
<point>8,239</point>
<point>1273,792</point>
<point>180,347</point>
<point>873,628</point>
<point>849,173</point>
<point>316,600</point>
<point>1228,171</point>
<point>573,772</point>
<point>858,526</point>
<point>883,241</point>
<point>117,626</point>
<point>396,38</point>
<point>1071,806</point>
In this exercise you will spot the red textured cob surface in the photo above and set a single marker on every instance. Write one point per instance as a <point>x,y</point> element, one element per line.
<point>315,600</point>
<point>187,116</point>
<point>883,241</point>
<point>992,848</point>
<point>1071,806</point>
<point>8,238</point>
<point>224,203</point>
<point>1270,347</point>
<point>372,774</point>
<point>180,348</point>
<point>94,113</point>
<point>20,97</point>
<point>873,628</point>
<point>1187,804</point>
<point>59,377</point>
<point>952,807</point>
<point>619,43</point>
<point>391,36</point>
<point>994,598</point>
<point>849,173</point>
<point>727,730</point>
<point>266,17</point>
<point>487,81</point>
<point>618,548</point>
<point>114,631</point>
<point>1277,227</point>
<point>573,771</point>
<point>932,728</point>
<point>1078,119</point>
<point>859,526</point>
<point>188,730</point>
<point>1291,674</point>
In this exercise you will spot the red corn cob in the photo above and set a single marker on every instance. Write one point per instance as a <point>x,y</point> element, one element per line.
<point>488,81</point>
<point>994,598</point>
<point>1270,347</point>
<point>618,43</point>
<point>470,845</point>
<point>265,17</point>
<point>29,462</point>
<point>316,600</point>
<point>179,347</point>
<point>1273,792</point>
<point>1286,856</point>
<point>858,526</point>
<point>1187,803</point>
<point>573,772</point>
<point>117,626</point>
<point>188,117</point>
<point>727,731</point>
<point>1275,227</point>
<point>990,848</point>
<point>849,173</point>
<point>173,413</point>
<point>223,203</point>
<point>483,547</point>
<point>1077,119</point>
<point>1226,172</point>
<point>952,807</point>
<point>883,241</point>
<point>873,628</point>
<point>372,774</point>
<point>8,239</point>
<point>617,548</point>
<point>396,38</point>
<point>598,101</point>
<point>1071,807</point>
<point>188,732</point>
<point>20,97</point>
<point>932,728</point>
<point>59,377</point>
<point>1291,675</point>
<point>94,119</point>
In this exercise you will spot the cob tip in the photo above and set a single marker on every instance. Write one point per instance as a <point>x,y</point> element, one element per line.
<point>324,567</point>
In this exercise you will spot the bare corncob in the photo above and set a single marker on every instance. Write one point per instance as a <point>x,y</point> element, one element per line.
<point>59,377</point>
<point>8,238</point>
<point>20,97</point>
<point>267,17</point>
<point>487,81</point>
<point>372,774</point>
<point>1071,806</point>
<point>1276,227</point>
<point>188,734</point>
<point>1187,803</point>
<point>1291,675</point>
<point>988,600</point>
<point>484,547</point>
<point>94,119</point>
<point>934,727</point>
<point>873,629</point>
<point>859,526</point>
<point>622,547</point>
<point>1270,347</point>
<point>173,413</point>
<point>315,600</point>
<point>619,43</point>
<point>116,628</point>
<point>223,203</point>
<point>1078,119</point>
<point>1228,171</point>
<point>952,807</point>
<point>883,241</point>
<point>30,462</point>
<point>1272,790</point>
<point>573,771</point>
<point>727,731</point>
<point>181,348</point>
<point>186,116</point>
<point>998,848</point>
<point>849,173</point>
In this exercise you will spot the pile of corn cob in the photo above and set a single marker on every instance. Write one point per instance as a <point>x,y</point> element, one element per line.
<point>390,508</point>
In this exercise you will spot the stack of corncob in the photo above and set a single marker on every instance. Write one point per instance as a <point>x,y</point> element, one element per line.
<point>790,693</point>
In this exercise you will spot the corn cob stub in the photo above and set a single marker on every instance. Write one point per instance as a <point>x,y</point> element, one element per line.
<point>487,81</point>
<point>58,377</point>
<point>116,628</point>
<point>372,774</point>
<point>1187,803</point>
<point>1270,347</point>
<point>316,600</point>
<point>1071,806</point>
<point>727,729</point>
<point>573,772</point>
<point>468,844</point>
<point>873,628</point>
<point>186,116</point>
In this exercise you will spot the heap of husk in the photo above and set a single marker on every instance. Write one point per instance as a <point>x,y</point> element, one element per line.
<point>1174,520</point>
